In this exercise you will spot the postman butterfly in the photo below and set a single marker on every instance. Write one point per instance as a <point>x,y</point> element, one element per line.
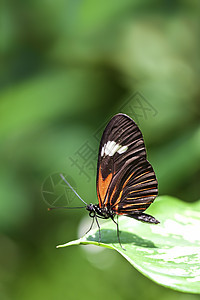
<point>126,183</point>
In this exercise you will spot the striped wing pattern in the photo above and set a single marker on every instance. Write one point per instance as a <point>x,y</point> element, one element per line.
<point>126,182</point>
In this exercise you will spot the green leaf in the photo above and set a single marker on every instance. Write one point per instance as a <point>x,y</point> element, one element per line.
<point>167,253</point>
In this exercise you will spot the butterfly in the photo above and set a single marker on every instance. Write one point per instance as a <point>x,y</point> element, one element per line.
<point>126,182</point>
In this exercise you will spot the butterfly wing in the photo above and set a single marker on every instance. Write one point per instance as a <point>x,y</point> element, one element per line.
<point>138,188</point>
<point>126,182</point>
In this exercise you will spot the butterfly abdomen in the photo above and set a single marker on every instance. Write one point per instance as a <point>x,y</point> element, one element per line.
<point>144,218</point>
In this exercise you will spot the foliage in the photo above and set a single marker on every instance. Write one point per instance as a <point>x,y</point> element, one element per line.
<point>167,253</point>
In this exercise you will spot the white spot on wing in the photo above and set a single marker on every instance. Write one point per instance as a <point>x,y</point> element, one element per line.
<point>111,148</point>
<point>102,151</point>
<point>122,149</point>
<point>116,148</point>
<point>107,148</point>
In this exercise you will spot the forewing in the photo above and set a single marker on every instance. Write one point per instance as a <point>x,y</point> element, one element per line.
<point>121,144</point>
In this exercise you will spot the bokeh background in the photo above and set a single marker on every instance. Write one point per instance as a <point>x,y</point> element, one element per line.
<point>65,68</point>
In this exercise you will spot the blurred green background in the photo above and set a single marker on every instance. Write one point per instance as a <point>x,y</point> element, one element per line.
<point>66,68</point>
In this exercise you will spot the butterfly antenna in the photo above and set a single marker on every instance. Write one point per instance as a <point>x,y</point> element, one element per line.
<point>64,207</point>
<point>63,178</point>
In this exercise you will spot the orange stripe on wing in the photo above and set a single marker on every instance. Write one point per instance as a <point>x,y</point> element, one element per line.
<point>136,191</point>
<point>119,198</point>
<point>120,195</point>
<point>113,192</point>
<point>128,210</point>
<point>141,175</point>
<point>103,187</point>
<point>129,207</point>
<point>140,197</point>
<point>141,182</point>
<point>136,204</point>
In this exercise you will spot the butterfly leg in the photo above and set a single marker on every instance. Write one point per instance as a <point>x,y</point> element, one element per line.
<point>99,228</point>
<point>95,217</point>
<point>90,226</point>
<point>112,217</point>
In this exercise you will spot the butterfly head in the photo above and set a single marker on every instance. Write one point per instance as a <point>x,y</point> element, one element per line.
<point>91,208</point>
<point>96,211</point>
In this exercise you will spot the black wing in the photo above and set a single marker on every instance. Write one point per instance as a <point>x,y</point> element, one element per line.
<point>126,182</point>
